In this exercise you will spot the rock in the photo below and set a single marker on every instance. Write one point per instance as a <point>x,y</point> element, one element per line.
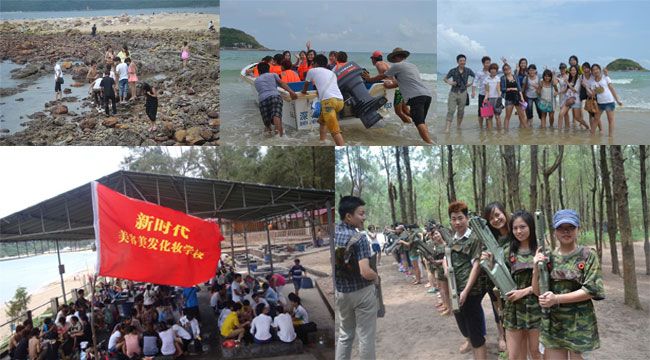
<point>66,65</point>
<point>20,99</point>
<point>67,91</point>
<point>190,91</point>
<point>77,84</point>
<point>215,122</point>
<point>3,130</point>
<point>88,124</point>
<point>149,142</point>
<point>110,122</point>
<point>206,134</point>
<point>60,110</point>
<point>59,121</point>
<point>8,91</point>
<point>25,72</point>
<point>180,135</point>
<point>161,138</point>
<point>121,126</point>
<point>193,136</point>
<point>213,114</point>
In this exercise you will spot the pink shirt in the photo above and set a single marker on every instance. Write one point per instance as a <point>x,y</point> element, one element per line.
<point>132,343</point>
<point>279,279</point>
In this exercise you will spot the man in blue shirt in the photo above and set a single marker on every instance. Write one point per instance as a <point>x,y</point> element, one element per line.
<point>296,275</point>
<point>191,302</point>
<point>356,299</point>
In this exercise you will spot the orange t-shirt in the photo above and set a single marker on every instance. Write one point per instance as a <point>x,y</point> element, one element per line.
<point>289,76</point>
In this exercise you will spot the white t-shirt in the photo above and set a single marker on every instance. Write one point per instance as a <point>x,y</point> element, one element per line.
<point>325,82</point>
<point>606,96</point>
<point>222,316</point>
<point>57,71</point>
<point>194,325</point>
<point>123,71</point>
<point>181,332</point>
<point>492,82</point>
<point>301,313</point>
<point>214,299</point>
<point>149,297</point>
<point>96,83</point>
<point>480,78</point>
<point>167,338</point>
<point>112,341</point>
<point>235,286</point>
<point>261,327</point>
<point>283,322</point>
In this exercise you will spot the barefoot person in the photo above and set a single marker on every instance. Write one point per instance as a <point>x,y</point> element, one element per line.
<point>511,88</point>
<point>185,54</point>
<point>330,97</point>
<point>546,95</point>
<point>570,330</point>
<point>133,77</point>
<point>491,89</point>
<point>269,97</point>
<point>459,78</point>
<point>605,95</point>
<point>401,109</point>
<point>58,81</point>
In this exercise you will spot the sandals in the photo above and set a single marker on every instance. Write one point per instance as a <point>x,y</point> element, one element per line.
<point>465,348</point>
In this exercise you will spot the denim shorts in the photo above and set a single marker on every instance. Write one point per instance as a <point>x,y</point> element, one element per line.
<point>607,107</point>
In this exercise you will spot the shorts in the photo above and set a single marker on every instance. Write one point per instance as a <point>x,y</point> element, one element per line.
<point>419,108</point>
<point>497,104</point>
<point>607,107</point>
<point>398,98</point>
<point>511,103</point>
<point>576,105</point>
<point>269,108</point>
<point>328,114</point>
<point>57,86</point>
<point>376,248</point>
<point>297,284</point>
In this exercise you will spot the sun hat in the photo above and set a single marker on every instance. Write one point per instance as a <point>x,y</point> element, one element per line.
<point>397,51</point>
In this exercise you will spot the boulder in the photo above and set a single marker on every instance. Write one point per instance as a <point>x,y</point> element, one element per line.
<point>4,131</point>
<point>20,99</point>
<point>88,124</point>
<point>206,134</point>
<point>179,135</point>
<point>110,122</point>
<point>66,65</point>
<point>25,72</point>
<point>67,91</point>
<point>60,110</point>
<point>213,114</point>
<point>193,136</point>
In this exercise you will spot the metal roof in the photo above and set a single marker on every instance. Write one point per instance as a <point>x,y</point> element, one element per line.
<point>69,216</point>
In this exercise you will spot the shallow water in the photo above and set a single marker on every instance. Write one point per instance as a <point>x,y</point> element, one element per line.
<point>241,121</point>
<point>34,97</point>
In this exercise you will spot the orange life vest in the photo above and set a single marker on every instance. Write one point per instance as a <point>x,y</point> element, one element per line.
<point>302,70</point>
<point>277,69</point>
<point>289,76</point>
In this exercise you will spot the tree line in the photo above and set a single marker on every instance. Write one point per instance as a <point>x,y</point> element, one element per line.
<point>603,183</point>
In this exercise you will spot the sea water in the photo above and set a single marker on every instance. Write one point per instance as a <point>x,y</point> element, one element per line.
<point>242,123</point>
<point>38,271</point>
<point>14,15</point>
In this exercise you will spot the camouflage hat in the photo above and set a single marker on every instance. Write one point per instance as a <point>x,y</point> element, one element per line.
<point>566,216</point>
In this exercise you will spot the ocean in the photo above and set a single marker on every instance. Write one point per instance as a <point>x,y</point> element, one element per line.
<point>241,122</point>
<point>15,15</point>
<point>38,271</point>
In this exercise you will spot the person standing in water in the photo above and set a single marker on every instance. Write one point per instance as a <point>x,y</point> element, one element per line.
<point>185,54</point>
<point>58,81</point>
<point>401,109</point>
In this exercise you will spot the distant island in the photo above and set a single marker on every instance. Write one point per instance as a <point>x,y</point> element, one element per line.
<point>625,65</point>
<point>239,40</point>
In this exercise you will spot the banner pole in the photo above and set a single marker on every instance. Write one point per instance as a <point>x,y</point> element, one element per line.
<point>248,266</point>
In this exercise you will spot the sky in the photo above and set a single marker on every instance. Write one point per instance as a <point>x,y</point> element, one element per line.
<point>34,174</point>
<point>546,32</point>
<point>362,26</point>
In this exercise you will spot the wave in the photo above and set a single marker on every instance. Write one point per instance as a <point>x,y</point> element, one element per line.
<point>622,81</point>
<point>429,77</point>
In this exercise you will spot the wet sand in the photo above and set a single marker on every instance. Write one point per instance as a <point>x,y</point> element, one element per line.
<point>631,127</point>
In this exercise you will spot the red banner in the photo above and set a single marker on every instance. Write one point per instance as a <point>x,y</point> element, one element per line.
<point>141,241</point>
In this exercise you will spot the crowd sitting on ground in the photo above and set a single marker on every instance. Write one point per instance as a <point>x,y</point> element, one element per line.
<point>412,98</point>
<point>563,92</point>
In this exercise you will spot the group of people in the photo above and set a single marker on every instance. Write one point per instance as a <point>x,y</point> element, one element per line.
<point>258,313</point>
<point>559,323</point>
<point>565,92</point>
<point>412,99</point>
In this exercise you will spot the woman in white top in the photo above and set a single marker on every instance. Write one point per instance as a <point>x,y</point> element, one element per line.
<point>492,88</point>
<point>546,94</point>
<point>529,88</point>
<point>170,344</point>
<point>586,79</point>
<point>562,79</point>
<point>58,80</point>
<point>605,95</point>
<point>261,325</point>
<point>571,94</point>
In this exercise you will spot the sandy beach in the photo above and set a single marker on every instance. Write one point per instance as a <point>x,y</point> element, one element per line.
<point>413,329</point>
<point>188,98</point>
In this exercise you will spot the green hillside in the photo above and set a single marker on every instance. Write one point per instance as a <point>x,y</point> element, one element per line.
<point>233,38</point>
<point>625,65</point>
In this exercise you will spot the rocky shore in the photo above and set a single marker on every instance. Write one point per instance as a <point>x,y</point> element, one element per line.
<point>188,110</point>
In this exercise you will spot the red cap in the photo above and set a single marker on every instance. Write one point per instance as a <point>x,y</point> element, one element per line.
<point>377,53</point>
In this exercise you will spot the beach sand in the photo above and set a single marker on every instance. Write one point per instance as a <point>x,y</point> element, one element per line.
<point>631,127</point>
<point>413,329</point>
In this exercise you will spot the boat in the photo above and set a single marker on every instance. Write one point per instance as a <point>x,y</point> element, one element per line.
<point>298,114</point>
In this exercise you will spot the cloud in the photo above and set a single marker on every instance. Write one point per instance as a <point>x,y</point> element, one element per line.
<point>451,43</point>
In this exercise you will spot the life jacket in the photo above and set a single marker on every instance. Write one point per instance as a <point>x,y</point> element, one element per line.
<point>289,76</point>
<point>302,70</point>
<point>276,69</point>
<point>256,72</point>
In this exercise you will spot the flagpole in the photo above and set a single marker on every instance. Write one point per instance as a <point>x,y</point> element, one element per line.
<point>93,281</point>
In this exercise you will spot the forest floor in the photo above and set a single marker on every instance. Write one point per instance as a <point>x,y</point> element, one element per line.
<point>413,329</point>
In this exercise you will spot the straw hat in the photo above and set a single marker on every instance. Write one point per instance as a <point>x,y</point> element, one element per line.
<point>397,51</point>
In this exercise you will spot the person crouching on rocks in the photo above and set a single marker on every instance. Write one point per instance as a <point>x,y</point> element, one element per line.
<point>108,88</point>
<point>58,81</point>
<point>95,90</point>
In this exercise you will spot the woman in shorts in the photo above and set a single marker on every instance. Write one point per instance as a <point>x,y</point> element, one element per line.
<point>606,97</point>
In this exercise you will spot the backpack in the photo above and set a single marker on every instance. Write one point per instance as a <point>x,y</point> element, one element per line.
<point>346,264</point>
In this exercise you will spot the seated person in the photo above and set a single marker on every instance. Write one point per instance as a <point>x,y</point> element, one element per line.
<point>258,299</point>
<point>181,334</point>
<point>276,67</point>
<point>231,328</point>
<point>284,326</point>
<point>171,345</point>
<point>131,347</point>
<point>300,315</point>
<point>269,294</point>
<point>224,313</point>
<point>288,75</point>
<point>191,324</point>
<point>261,325</point>
<point>253,71</point>
<point>151,341</point>
<point>246,313</point>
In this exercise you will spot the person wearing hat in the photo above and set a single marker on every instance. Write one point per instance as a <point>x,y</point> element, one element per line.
<point>407,76</point>
<point>570,329</point>
<point>401,109</point>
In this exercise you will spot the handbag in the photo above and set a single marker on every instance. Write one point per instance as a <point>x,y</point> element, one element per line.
<point>60,80</point>
<point>487,110</point>
<point>591,106</point>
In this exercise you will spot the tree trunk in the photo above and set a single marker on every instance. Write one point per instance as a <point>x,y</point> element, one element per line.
<point>559,186</point>
<point>611,213</point>
<point>512,176</point>
<point>477,205</point>
<point>548,171</point>
<point>347,155</point>
<point>484,176</point>
<point>402,201</point>
<point>451,187</point>
<point>620,192</point>
<point>644,203</point>
<point>533,178</point>
<point>313,168</point>
<point>391,187</point>
<point>594,189</point>
<point>409,185</point>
